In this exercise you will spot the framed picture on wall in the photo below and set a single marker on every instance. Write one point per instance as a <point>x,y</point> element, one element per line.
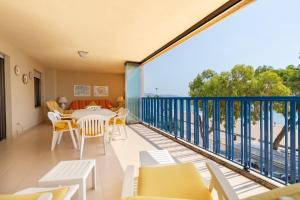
<point>82,90</point>
<point>100,91</point>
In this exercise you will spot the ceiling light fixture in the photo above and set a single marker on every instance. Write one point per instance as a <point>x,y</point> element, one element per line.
<point>83,54</point>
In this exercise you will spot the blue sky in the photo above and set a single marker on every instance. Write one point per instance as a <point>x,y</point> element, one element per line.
<point>267,32</point>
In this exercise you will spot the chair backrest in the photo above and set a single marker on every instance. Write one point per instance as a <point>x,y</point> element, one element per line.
<point>53,117</point>
<point>52,105</point>
<point>57,112</point>
<point>120,109</point>
<point>91,126</point>
<point>123,113</point>
<point>93,107</point>
<point>220,183</point>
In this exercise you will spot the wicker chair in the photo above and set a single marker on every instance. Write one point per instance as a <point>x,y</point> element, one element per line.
<point>53,106</point>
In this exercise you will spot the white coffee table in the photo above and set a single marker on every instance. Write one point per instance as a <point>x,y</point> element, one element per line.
<point>156,157</point>
<point>69,173</point>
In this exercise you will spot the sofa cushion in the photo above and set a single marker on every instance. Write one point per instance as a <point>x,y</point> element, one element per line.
<point>82,104</point>
<point>92,103</point>
<point>174,181</point>
<point>108,104</point>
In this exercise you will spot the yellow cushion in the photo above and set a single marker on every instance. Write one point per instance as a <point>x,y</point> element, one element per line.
<point>33,196</point>
<point>151,198</point>
<point>91,134</point>
<point>61,126</point>
<point>118,121</point>
<point>292,191</point>
<point>175,181</point>
<point>58,194</point>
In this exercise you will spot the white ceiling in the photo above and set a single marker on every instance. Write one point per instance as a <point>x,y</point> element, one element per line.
<point>113,31</point>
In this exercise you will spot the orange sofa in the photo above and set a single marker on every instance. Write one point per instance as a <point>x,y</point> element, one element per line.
<point>81,104</point>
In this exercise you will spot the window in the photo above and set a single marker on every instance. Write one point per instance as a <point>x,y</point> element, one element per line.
<point>37,89</point>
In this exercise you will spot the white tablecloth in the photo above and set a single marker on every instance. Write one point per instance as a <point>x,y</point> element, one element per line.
<point>105,113</point>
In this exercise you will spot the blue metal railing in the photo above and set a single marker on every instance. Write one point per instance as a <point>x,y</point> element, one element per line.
<point>241,129</point>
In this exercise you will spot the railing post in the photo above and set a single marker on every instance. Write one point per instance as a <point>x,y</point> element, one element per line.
<point>143,110</point>
<point>286,164</point>
<point>146,110</point>
<point>175,117</point>
<point>205,124</point>
<point>181,119</point>
<point>232,129</point>
<point>245,140</point>
<point>271,140</point>
<point>214,125</point>
<point>249,134</point>
<point>242,131</point>
<point>293,140</point>
<point>154,113</point>
<point>218,126</point>
<point>170,115</point>
<point>298,118</point>
<point>196,121</point>
<point>166,115</point>
<point>266,137</point>
<point>162,113</point>
<point>157,113</point>
<point>228,130</point>
<point>151,111</point>
<point>188,119</point>
<point>261,136</point>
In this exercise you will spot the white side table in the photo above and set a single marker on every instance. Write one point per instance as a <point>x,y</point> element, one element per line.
<point>69,173</point>
<point>156,157</point>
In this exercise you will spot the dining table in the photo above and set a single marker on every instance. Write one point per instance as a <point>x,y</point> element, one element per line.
<point>106,114</point>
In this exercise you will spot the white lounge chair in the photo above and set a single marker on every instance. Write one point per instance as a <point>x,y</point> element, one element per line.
<point>47,192</point>
<point>218,180</point>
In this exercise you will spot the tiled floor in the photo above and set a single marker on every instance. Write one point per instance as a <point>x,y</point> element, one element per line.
<point>25,159</point>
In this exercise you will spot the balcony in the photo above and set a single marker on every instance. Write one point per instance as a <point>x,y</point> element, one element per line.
<point>28,158</point>
<point>96,52</point>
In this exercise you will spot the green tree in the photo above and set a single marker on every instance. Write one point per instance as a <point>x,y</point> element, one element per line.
<point>196,85</point>
<point>241,80</point>
<point>291,78</point>
<point>263,68</point>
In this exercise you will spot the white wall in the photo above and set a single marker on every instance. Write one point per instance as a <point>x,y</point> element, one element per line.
<point>19,97</point>
<point>61,83</point>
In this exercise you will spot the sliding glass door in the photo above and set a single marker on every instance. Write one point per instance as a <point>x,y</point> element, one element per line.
<point>134,90</point>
